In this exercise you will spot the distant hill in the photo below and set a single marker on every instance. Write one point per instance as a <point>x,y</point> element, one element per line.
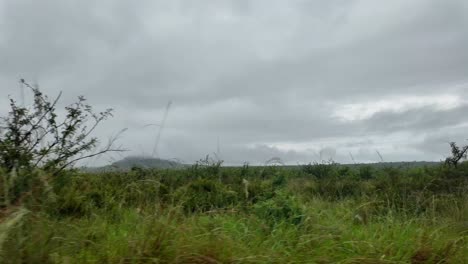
<point>157,163</point>
<point>128,163</point>
<point>145,162</point>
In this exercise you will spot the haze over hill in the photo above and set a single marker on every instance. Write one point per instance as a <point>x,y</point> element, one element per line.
<point>145,162</point>
<point>130,162</point>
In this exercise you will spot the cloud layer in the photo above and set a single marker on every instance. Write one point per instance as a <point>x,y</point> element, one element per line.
<point>263,78</point>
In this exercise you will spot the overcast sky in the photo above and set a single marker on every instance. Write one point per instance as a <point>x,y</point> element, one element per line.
<point>298,80</point>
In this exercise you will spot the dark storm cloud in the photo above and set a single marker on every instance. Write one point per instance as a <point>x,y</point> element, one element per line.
<point>269,78</point>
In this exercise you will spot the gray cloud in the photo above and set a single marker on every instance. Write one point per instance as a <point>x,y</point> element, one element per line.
<point>266,77</point>
<point>418,120</point>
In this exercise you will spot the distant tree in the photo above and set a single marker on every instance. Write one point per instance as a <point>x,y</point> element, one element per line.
<point>458,153</point>
<point>35,136</point>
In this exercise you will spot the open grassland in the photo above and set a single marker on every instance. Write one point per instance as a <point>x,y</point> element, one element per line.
<point>320,213</point>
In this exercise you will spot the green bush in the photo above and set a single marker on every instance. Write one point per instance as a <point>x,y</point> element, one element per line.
<point>204,195</point>
<point>365,172</point>
<point>281,208</point>
<point>320,170</point>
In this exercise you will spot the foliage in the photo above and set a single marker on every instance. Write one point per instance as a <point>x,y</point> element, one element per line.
<point>204,195</point>
<point>457,154</point>
<point>320,170</point>
<point>365,172</point>
<point>36,136</point>
<point>290,216</point>
<point>280,208</point>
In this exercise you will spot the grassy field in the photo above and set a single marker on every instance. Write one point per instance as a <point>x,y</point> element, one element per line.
<point>320,213</point>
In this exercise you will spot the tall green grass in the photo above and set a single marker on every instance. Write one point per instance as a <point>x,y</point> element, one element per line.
<point>324,214</point>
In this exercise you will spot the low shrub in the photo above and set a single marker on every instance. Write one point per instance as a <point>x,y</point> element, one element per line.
<point>281,208</point>
<point>204,195</point>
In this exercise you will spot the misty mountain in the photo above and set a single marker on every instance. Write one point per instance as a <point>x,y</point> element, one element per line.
<point>130,162</point>
<point>145,162</point>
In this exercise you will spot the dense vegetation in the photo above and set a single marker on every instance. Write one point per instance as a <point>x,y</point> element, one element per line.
<point>318,213</point>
